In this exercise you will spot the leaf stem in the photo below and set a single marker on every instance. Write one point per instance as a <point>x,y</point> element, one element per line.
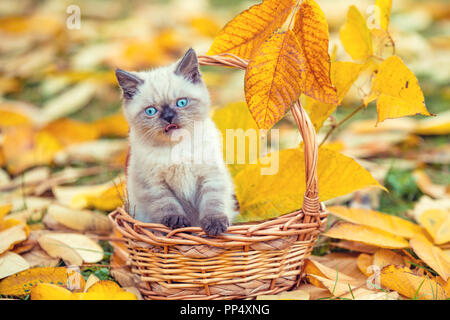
<point>334,127</point>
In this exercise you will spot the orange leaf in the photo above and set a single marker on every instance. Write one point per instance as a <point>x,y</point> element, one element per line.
<point>311,30</point>
<point>272,79</point>
<point>242,35</point>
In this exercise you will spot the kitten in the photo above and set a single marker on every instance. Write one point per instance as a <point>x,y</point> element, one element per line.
<point>159,105</point>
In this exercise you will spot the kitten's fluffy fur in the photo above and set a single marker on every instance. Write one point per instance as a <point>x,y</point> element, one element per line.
<point>160,190</point>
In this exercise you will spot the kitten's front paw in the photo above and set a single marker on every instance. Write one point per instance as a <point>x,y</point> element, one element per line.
<point>175,221</point>
<point>214,224</point>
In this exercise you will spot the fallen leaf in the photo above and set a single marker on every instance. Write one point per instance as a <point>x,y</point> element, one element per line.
<point>367,235</point>
<point>38,258</point>
<point>47,291</point>
<point>69,131</point>
<point>427,186</point>
<point>105,290</point>
<point>22,282</point>
<point>242,35</point>
<point>11,263</point>
<point>58,249</point>
<point>383,258</point>
<point>90,281</point>
<point>355,246</point>
<point>432,256</point>
<point>408,284</point>
<point>60,244</point>
<point>365,264</point>
<point>114,125</point>
<point>11,236</point>
<point>437,224</point>
<point>80,220</point>
<point>379,220</point>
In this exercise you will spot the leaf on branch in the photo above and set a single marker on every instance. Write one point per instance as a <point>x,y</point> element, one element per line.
<point>272,79</point>
<point>355,36</point>
<point>343,75</point>
<point>383,13</point>
<point>311,30</point>
<point>397,90</point>
<point>242,35</point>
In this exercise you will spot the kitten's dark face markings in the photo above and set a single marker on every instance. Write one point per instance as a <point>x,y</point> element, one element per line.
<point>157,120</point>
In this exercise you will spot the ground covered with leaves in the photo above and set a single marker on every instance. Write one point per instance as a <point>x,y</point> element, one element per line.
<point>384,181</point>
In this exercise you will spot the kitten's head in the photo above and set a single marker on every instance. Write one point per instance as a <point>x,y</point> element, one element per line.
<point>159,102</point>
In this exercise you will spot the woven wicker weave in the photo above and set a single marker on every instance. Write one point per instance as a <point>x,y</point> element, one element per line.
<point>250,259</point>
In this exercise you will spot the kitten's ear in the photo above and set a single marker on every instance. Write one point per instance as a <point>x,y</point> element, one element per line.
<point>188,67</point>
<point>128,82</point>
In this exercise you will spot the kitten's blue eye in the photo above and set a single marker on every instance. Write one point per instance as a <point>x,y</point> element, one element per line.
<point>182,102</point>
<point>150,111</point>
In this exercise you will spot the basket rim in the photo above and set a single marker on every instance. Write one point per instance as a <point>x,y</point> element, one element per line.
<point>247,233</point>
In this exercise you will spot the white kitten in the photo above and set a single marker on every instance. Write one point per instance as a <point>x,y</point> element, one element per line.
<point>164,107</point>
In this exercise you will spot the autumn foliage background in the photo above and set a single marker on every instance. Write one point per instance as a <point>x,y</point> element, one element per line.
<point>63,138</point>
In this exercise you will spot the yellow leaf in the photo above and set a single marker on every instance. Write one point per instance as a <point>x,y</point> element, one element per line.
<point>375,219</point>
<point>69,131</point>
<point>439,125</point>
<point>204,25</point>
<point>397,90</point>
<point>437,224</point>
<point>11,263</point>
<point>24,148</point>
<point>384,257</point>
<point>311,30</point>
<point>57,249</point>
<point>313,267</point>
<point>103,291</point>
<point>404,281</point>
<point>4,210</point>
<point>367,235</point>
<point>12,119</point>
<point>285,174</point>
<point>236,118</point>
<point>91,281</point>
<point>242,35</point>
<point>273,78</point>
<point>107,196</point>
<point>343,75</point>
<point>434,257</point>
<point>383,13</point>
<point>80,220</point>
<point>364,262</point>
<point>47,291</point>
<point>21,283</point>
<point>113,125</point>
<point>355,36</point>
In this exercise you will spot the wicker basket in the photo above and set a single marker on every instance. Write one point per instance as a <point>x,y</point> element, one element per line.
<point>249,260</point>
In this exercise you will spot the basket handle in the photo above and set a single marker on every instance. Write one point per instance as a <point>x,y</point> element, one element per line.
<point>311,204</point>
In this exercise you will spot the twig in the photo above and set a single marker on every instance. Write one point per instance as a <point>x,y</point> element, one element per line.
<point>340,123</point>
